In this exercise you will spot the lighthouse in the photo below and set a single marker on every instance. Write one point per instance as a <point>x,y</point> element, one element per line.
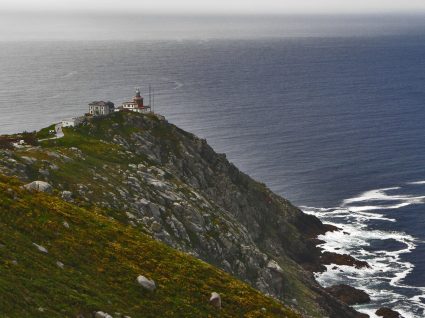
<point>138,99</point>
<point>136,105</point>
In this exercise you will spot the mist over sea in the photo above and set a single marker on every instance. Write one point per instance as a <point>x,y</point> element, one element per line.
<point>328,112</point>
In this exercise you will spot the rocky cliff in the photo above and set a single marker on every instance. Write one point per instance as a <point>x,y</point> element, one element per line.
<point>171,185</point>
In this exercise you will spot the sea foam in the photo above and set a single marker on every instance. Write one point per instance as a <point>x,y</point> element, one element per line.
<point>383,281</point>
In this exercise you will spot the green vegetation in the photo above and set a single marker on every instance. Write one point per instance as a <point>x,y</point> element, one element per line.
<point>45,132</point>
<point>102,258</point>
<point>128,177</point>
<point>29,138</point>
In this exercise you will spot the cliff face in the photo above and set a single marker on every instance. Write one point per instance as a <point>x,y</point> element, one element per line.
<point>172,185</point>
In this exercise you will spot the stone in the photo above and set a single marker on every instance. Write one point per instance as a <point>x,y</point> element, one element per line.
<point>66,195</point>
<point>28,160</point>
<point>44,172</point>
<point>274,266</point>
<point>101,314</point>
<point>155,226</point>
<point>40,248</point>
<point>386,312</point>
<point>146,283</point>
<point>60,264</point>
<point>66,224</point>
<point>40,186</point>
<point>215,300</point>
<point>348,294</point>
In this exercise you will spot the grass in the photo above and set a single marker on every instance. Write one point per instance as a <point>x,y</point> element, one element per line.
<point>102,259</point>
<point>45,132</point>
<point>101,156</point>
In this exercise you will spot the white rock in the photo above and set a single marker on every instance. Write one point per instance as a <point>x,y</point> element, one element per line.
<point>101,314</point>
<point>146,283</point>
<point>40,248</point>
<point>274,266</point>
<point>40,186</point>
<point>60,264</point>
<point>215,300</point>
<point>66,224</point>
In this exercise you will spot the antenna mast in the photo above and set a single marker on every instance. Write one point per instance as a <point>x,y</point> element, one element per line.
<point>150,99</point>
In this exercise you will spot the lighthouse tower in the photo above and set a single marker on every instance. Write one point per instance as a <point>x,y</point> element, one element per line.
<point>138,100</point>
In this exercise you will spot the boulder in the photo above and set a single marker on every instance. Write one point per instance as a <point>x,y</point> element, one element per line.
<point>386,312</point>
<point>39,186</point>
<point>215,300</point>
<point>348,294</point>
<point>146,283</point>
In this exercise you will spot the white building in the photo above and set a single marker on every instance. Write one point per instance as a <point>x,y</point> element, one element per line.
<point>72,122</point>
<point>136,105</point>
<point>101,108</point>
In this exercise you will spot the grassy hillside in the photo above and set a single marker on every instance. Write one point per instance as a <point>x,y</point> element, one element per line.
<point>101,259</point>
<point>128,175</point>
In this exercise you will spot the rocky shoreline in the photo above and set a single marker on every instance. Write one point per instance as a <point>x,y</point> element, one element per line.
<point>345,293</point>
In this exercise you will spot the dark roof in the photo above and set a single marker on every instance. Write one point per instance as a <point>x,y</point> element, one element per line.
<point>102,103</point>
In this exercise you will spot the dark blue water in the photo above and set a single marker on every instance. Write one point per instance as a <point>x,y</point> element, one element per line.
<point>320,120</point>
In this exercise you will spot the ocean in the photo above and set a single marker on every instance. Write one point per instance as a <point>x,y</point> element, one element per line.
<point>335,123</point>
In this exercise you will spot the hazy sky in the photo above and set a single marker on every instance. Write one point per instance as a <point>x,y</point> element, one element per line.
<point>205,19</point>
<point>222,6</point>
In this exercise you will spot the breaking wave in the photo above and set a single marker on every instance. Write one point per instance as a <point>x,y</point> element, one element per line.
<point>363,222</point>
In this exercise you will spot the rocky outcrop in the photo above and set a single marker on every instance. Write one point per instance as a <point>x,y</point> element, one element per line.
<point>328,258</point>
<point>348,294</point>
<point>386,312</point>
<point>174,186</point>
